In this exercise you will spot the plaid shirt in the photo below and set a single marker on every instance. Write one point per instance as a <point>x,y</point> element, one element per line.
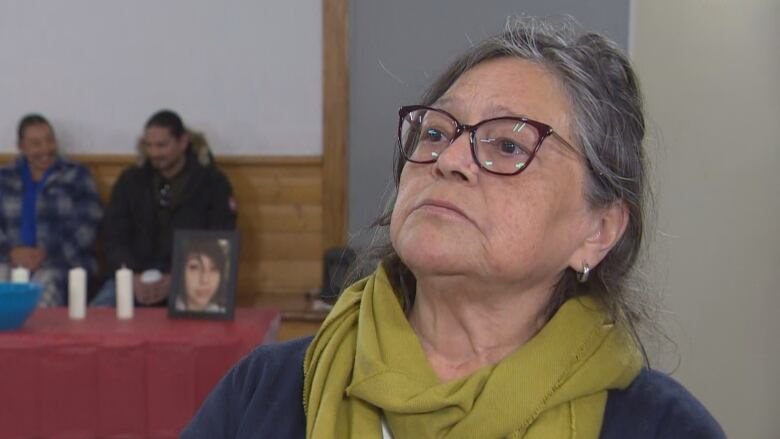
<point>68,213</point>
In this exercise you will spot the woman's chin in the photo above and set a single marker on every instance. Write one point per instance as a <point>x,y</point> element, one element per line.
<point>433,259</point>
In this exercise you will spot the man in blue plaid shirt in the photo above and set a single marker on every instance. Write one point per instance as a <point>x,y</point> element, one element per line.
<point>49,212</point>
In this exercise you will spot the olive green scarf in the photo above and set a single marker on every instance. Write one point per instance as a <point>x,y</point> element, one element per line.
<point>367,363</point>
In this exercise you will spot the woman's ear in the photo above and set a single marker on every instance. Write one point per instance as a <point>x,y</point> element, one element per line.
<point>608,227</point>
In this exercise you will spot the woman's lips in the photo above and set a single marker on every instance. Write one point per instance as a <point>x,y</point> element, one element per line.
<point>441,205</point>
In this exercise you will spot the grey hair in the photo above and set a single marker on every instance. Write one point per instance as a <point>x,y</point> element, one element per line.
<point>608,126</point>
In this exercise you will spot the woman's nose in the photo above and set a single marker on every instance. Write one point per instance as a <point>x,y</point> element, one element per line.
<point>456,161</point>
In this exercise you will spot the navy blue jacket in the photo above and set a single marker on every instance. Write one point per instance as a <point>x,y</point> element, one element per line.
<point>261,397</point>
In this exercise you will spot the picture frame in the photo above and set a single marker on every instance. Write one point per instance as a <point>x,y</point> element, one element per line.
<point>204,274</point>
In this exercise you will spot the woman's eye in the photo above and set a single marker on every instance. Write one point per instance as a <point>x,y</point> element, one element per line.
<point>506,147</point>
<point>432,135</point>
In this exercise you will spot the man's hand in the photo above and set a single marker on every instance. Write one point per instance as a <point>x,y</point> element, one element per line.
<point>151,293</point>
<point>30,258</point>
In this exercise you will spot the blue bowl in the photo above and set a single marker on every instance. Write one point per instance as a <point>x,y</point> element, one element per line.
<point>17,302</point>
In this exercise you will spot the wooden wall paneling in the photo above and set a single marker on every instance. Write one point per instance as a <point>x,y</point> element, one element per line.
<point>280,221</point>
<point>285,217</point>
<point>293,246</point>
<point>283,277</point>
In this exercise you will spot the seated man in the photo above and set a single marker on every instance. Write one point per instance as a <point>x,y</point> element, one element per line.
<point>177,186</point>
<point>49,212</point>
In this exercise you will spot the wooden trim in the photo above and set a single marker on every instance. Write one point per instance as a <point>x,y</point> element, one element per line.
<point>270,160</point>
<point>335,130</point>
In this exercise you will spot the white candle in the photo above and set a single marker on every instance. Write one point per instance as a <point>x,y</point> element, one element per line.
<point>124,293</point>
<point>20,275</point>
<point>77,293</point>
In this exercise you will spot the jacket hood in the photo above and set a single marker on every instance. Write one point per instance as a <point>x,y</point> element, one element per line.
<point>199,147</point>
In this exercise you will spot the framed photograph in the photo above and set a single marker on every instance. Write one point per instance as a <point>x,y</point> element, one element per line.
<point>203,276</point>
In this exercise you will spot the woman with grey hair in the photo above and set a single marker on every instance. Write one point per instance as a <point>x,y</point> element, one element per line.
<point>502,306</point>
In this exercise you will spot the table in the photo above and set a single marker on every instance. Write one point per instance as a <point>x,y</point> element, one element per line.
<point>108,378</point>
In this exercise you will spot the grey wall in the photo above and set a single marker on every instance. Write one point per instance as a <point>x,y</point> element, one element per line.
<point>710,76</point>
<point>397,48</point>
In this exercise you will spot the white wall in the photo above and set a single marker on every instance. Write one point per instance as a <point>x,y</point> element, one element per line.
<point>711,76</point>
<point>247,73</point>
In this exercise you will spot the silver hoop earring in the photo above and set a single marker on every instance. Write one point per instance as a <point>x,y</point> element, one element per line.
<point>583,277</point>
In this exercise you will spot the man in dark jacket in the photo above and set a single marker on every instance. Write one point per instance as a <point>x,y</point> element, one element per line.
<point>176,187</point>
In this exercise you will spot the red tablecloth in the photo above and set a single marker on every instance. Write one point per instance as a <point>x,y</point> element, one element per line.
<point>108,378</point>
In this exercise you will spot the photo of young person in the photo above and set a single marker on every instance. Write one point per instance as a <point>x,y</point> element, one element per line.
<point>204,274</point>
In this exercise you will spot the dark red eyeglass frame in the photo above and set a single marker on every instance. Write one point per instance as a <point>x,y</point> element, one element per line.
<point>543,129</point>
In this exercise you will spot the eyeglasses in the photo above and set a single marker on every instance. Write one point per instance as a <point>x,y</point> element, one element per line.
<point>501,145</point>
<point>165,194</point>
